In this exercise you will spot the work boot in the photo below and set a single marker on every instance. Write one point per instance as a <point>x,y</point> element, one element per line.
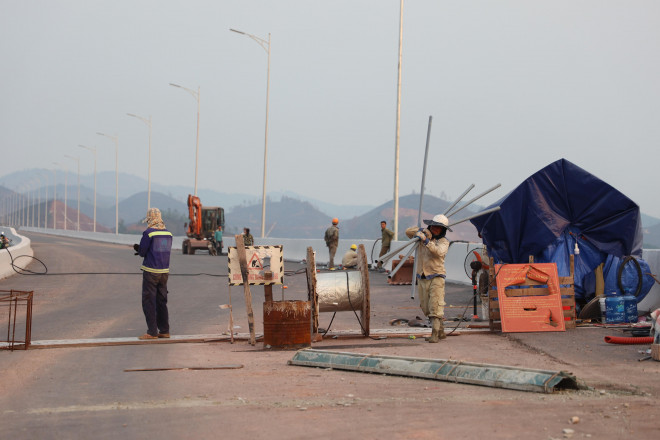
<point>438,331</point>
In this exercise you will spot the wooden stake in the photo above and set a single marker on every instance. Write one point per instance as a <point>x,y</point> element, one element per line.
<point>242,260</point>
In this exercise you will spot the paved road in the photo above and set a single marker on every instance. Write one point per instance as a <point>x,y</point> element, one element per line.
<point>86,392</point>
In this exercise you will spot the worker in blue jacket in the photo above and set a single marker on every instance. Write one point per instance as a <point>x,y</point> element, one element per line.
<point>155,247</point>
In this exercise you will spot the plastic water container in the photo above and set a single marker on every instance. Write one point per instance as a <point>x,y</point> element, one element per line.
<point>615,309</point>
<point>630,307</point>
<point>603,310</point>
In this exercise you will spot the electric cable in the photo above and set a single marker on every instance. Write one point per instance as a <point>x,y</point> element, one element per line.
<point>622,266</point>
<point>372,250</point>
<point>24,271</point>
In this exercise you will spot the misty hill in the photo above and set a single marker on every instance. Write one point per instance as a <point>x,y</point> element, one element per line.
<point>652,237</point>
<point>129,185</point>
<point>291,218</point>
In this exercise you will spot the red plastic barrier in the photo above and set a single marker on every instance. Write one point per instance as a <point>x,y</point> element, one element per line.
<point>628,340</point>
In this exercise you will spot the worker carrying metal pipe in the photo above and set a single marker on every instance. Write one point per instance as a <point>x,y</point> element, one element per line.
<point>431,252</point>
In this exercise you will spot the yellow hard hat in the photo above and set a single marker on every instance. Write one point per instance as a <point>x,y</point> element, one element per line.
<point>354,247</point>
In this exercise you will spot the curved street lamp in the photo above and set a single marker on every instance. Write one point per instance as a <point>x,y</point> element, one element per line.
<point>115,139</point>
<point>195,94</point>
<point>65,191</point>
<point>265,44</point>
<point>93,150</point>
<point>77,159</point>
<point>148,122</point>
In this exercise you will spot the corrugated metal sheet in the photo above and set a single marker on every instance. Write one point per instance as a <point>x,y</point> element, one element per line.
<point>498,376</point>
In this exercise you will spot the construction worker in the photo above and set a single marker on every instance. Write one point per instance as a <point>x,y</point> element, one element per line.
<point>248,239</point>
<point>217,235</point>
<point>385,242</point>
<point>4,241</point>
<point>332,240</point>
<point>350,258</point>
<point>155,247</point>
<point>431,252</point>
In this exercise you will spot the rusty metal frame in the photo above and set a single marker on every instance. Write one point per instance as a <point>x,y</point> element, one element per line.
<point>13,299</point>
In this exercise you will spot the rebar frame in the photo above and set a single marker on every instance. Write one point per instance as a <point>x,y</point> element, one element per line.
<point>12,299</point>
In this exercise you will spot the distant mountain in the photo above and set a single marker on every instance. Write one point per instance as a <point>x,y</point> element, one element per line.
<point>652,237</point>
<point>292,218</point>
<point>129,185</point>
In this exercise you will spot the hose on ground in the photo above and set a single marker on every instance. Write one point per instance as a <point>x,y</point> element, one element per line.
<point>626,340</point>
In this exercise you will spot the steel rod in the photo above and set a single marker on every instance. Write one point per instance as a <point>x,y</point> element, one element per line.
<point>459,199</point>
<point>403,260</point>
<point>475,199</point>
<point>479,214</point>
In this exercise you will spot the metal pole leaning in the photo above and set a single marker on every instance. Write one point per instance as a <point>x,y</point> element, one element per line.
<point>459,199</point>
<point>403,260</point>
<point>421,199</point>
<point>475,199</point>
<point>479,214</point>
<point>387,257</point>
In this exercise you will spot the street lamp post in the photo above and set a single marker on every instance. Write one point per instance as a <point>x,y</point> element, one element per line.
<point>398,129</point>
<point>65,192</point>
<point>148,122</point>
<point>265,44</point>
<point>115,139</point>
<point>55,197</point>
<point>195,94</point>
<point>93,150</point>
<point>77,159</point>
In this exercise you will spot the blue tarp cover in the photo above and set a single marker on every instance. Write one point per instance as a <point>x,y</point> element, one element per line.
<point>551,210</point>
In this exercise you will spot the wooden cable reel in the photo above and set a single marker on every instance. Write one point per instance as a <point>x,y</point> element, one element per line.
<point>339,290</point>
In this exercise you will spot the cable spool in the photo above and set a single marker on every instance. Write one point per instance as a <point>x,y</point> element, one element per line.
<point>339,291</point>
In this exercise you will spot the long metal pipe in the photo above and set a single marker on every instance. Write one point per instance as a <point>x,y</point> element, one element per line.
<point>421,200</point>
<point>475,199</point>
<point>479,214</point>
<point>403,260</point>
<point>459,199</point>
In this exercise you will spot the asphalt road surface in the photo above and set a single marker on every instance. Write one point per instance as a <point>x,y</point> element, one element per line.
<point>93,291</point>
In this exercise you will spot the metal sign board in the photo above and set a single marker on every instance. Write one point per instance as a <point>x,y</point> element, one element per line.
<point>262,261</point>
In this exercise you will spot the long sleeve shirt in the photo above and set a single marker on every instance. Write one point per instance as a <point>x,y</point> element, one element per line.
<point>155,248</point>
<point>430,256</point>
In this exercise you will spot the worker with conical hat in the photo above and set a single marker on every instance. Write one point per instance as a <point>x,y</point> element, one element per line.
<point>431,252</point>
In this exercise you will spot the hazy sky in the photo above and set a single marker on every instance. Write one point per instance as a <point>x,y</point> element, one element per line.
<point>511,86</point>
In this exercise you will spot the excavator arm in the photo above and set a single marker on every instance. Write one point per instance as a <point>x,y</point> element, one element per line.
<point>195,216</point>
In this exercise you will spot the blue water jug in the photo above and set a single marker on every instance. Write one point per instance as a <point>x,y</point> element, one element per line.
<point>630,307</point>
<point>615,309</point>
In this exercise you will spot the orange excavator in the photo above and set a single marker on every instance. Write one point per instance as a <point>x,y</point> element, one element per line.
<point>204,220</point>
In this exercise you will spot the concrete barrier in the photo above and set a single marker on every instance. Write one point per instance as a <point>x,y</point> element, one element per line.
<point>19,246</point>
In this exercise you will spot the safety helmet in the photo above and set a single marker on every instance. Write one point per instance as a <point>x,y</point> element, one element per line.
<point>354,247</point>
<point>439,220</point>
<point>335,221</point>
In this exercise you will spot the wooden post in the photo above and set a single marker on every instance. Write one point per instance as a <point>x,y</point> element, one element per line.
<point>366,302</point>
<point>311,292</point>
<point>242,260</point>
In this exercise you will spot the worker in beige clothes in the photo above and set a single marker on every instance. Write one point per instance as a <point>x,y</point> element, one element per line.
<point>350,259</point>
<point>431,273</point>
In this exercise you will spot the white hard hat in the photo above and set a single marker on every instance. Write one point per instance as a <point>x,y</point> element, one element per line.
<point>439,220</point>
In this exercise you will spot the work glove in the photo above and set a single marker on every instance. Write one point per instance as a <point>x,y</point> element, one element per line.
<point>136,247</point>
<point>422,237</point>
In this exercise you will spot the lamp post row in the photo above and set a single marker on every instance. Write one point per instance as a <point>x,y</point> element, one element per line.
<point>266,45</point>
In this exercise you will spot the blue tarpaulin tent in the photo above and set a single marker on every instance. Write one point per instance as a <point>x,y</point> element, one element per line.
<point>552,210</point>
